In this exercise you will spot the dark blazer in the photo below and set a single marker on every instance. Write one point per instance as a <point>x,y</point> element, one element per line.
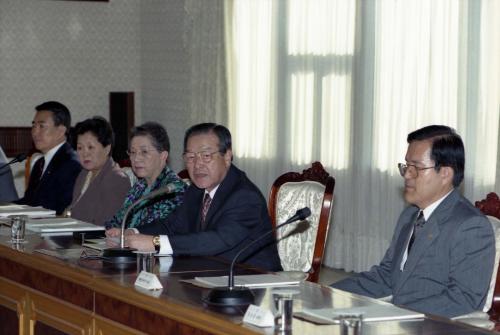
<point>237,215</point>
<point>55,189</point>
<point>449,268</point>
<point>104,195</point>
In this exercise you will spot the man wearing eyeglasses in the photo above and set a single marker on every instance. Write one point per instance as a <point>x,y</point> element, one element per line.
<point>222,212</point>
<point>442,252</point>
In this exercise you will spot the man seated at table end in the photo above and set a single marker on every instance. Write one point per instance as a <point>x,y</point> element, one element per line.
<point>222,212</point>
<point>441,256</point>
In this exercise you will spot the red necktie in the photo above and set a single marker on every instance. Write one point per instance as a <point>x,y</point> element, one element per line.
<point>36,173</point>
<point>204,209</point>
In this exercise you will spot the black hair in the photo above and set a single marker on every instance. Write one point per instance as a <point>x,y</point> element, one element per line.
<point>447,148</point>
<point>99,127</point>
<point>156,132</point>
<point>222,133</point>
<point>60,113</point>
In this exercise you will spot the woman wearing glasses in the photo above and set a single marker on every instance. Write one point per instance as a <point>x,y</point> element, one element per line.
<point>101,185</point>
<point>148,151</point>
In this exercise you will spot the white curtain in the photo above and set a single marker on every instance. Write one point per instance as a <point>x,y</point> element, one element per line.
<point>344,82</point>
<point>204,42</point>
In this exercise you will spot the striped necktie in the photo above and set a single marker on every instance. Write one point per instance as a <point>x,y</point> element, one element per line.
<point>204,209</point>
<point>417,226</point>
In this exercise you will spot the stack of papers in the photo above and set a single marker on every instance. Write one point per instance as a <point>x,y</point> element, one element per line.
<point>60,225</point>
<point>32,212</point>
<point>382,312</point>
<point>254,281</point>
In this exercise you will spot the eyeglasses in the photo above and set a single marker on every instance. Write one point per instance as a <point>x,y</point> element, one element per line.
<point>146,154</point>
<point>411,169</point>
<point>205,156</point>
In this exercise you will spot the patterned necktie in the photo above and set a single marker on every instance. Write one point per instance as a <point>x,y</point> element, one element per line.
<point>204,209</point>
<point>36,173</point>
<point>418,225</point>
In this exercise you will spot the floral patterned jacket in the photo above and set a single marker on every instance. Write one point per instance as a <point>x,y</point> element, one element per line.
<point>152,209</point>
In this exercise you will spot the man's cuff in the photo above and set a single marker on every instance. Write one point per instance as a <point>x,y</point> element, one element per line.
<point>165,247</point>
<point>135,230</point>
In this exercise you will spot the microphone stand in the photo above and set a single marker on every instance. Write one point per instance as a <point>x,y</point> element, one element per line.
<point>19,158</point>
<point>122,254</point>
<point>240,295</point>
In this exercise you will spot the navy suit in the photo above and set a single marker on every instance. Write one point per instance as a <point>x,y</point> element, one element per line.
<point>55,189</point>
<point>237,215</point>
<point>449,268</point>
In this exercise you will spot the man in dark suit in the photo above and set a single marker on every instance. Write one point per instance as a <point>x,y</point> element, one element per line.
<point>53,175</point>
<point>441,256</point>
<point>223,211</point>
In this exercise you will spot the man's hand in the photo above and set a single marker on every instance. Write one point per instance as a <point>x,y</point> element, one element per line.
<point>140,242</point>
<point>115,232</point>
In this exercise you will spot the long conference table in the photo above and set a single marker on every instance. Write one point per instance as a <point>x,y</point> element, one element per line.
<point>41,294</point>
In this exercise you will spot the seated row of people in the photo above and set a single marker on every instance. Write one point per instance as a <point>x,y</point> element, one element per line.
<point>221,211</point>
<point>440,259</point>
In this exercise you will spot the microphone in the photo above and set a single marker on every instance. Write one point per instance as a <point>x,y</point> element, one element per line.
<point>238,296</point>
<point>19,158</point>
<point>123,254</point>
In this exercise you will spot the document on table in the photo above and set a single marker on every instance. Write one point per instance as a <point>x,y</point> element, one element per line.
<point>32,212</point>
<point>252,281</point>
<point>382,312</point>
<point>60,225</point>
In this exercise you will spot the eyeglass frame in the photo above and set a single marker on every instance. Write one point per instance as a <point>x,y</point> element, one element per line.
<point>191,160</point>
<point>145,154</point>
<point>403,168</point>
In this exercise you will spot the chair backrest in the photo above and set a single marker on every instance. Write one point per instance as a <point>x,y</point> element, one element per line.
<point>302,249</point>
<point>184,175</point>
<point>491,208</point>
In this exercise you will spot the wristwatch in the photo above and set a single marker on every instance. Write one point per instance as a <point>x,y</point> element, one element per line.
<point>156,242</point>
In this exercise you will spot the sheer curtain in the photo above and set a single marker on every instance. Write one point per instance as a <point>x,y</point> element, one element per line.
<point>343,82</point>
<point>204,41</point>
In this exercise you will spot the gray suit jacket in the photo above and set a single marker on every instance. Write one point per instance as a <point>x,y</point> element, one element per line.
<point>450,266</point>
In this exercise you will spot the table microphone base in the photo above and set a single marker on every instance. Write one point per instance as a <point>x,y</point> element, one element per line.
<point>225,296</point>
<point>119,255</point>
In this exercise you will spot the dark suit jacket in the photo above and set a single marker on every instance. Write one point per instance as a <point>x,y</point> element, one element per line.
<point>237,216</point>
<point>55,189</point>
<point>449,268</point>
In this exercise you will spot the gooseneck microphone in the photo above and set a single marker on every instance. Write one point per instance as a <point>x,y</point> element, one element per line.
<point>124,254</point>
<point>238,296</point>
<point>18,159</point>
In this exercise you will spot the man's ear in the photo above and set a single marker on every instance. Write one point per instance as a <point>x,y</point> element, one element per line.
<point>228,157</point>
<point>447,173</point>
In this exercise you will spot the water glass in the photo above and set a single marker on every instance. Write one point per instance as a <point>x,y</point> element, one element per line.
<point>350,323</point>
<point>145,261</point>
<point>283,305</point>
<point>18,227</point>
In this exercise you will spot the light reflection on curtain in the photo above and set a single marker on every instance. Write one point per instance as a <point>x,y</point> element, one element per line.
<point>344,82</point>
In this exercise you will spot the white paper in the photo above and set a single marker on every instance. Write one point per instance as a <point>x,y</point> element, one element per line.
<point>148,281</point>
<point>259,316</point>
<point>382,312</point>
<point>261,280</point>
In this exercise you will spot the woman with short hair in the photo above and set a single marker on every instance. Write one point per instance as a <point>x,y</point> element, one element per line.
<point>101,186</point>
<point>148,151</point>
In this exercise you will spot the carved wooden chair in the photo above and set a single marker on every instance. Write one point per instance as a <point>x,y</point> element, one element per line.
<point>184,175</point>
<point>301,245</point>
<point>491,208</point>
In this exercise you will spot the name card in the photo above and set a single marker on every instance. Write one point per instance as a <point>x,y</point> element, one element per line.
<point>258,316</point>
<point>148,281</point>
